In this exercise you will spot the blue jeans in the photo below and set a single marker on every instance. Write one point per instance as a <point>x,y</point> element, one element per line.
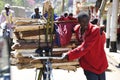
<point>92,76</point>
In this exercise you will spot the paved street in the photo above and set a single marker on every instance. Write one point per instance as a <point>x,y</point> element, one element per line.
<point>112,72</point>
<point>29,74</point>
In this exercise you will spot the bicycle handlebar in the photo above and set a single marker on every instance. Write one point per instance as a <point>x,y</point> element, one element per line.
<point>46,57</point>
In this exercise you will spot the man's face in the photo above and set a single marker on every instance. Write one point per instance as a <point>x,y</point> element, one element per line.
<point>7,9</point>
<point>84,23</point>
<point>36,11</point>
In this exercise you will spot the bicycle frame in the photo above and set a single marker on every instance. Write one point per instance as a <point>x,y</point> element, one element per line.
<point>47,65</point>
<point>6,35</point>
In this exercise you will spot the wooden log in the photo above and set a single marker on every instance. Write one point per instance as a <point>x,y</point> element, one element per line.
<point>33,43</point>
<point>34,33</point>
<point>27,66</point>
<point>27,36</point>
<point>29,24</point>
<point>19,18</point>
<point>54,65</point>
<point>13,61</point>
<point>30,27</point>
<point>23,57</point>
<point>28,60</point>
<point>17,36</point>
<point>69,68</point>
<point>29,45</point>
<point>27,53</point>
<point>42,37</point>
<point>28,21</point>
<point>42,44</point>
<point>23,22</point>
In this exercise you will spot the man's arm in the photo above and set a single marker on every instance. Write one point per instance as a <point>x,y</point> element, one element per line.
<point>89,42</point>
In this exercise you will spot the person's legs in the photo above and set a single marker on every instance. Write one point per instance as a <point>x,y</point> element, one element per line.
<point>102,76</point>
<point>90,75</point>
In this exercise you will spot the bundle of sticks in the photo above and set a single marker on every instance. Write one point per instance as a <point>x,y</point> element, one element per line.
<point>31,33</point>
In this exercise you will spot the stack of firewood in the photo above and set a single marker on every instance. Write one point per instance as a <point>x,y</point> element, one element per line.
<point>29,34</point>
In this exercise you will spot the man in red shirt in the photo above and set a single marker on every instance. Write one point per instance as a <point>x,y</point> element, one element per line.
<point>90,52</point>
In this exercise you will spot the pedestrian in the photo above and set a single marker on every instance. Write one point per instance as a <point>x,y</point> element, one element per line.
<point>36,14</point>
<point>65,14</point>
<point>71,17</point>
<point>6,23</point>
<point>90,52</point>
<point>70,14</point>
<point>6,18</point>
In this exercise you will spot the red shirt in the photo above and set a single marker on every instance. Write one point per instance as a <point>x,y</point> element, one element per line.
<point>65,30</point>
<point>90,53</point>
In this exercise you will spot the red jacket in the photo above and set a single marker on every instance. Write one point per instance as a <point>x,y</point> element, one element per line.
<point>90,53</point>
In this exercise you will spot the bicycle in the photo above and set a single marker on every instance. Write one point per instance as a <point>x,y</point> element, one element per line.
<point>6,34</point>
<point>47,66</point>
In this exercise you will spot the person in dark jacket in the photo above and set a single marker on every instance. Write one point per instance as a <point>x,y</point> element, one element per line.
<point>90,52</point>
<point>36,14</point>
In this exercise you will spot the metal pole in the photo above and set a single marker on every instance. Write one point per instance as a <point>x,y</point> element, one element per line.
<point>109,14</point>
<point>113,27</point>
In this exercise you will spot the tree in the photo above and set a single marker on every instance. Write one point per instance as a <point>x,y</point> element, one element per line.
<point>19,2</point>
<point>1,5</point>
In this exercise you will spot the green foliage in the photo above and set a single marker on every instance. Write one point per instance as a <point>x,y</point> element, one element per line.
<point>23,3</point>
<point>18,2</point>
<point>13,3</point>
<point>1,5</point>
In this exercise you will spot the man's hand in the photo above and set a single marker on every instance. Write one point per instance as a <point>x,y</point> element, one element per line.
<point>64,56</point>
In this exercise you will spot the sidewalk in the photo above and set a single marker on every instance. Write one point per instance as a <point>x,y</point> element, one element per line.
<point>114,55</point>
